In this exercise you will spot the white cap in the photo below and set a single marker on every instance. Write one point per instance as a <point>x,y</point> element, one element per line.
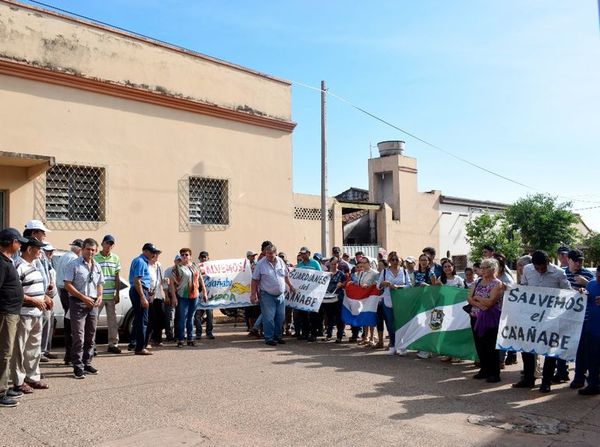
<point>49,247</point>
<point>36,225</point>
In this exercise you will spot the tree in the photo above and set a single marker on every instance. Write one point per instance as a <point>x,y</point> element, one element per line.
<point>493,230</point>
<point>591,249</point>
<point>543,223</point>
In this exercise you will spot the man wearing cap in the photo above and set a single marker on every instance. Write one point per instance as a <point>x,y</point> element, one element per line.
<point>11,300</point>
<point>200,313</point>
<point>61,268</point>
<point>343,266</point>
<point>562,255</point>
<point>251,257</point>
<point>83,281</point>
<point>111,266</point>
<point>36,229</point>
<point>139,278</point>
<point>578,278</point>
<point>25,361</point>
<point>307,323</point>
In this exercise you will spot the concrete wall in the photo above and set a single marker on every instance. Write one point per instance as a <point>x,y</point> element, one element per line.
<point>308,232</point>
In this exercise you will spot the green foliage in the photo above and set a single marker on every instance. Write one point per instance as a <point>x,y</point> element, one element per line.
<point>543,223</point>
<point>493,230</point>
<point>591,249</point>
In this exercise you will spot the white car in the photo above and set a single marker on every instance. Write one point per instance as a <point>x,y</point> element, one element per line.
<point>123,309</point>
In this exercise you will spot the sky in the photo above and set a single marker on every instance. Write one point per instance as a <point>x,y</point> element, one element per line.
<point>509,85</point>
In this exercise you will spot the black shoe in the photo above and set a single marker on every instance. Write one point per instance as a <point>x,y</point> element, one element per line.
<point>7,402</point>
<point>271,343</point>
<point>281,341</point>
<point>78,373</point>
<point>191,343</point>
<point>50,355</point>
<point>114,349</point>
<point>560,378</point>
<point>493,379</point>
<point>511,360</point>
<point>312,339</point>
<point>130,347</point>
<point>89,369</point>
<point>545,388</point>
<point>589,391</point>
<point>338,340</point>
<point>210,337</point>
<point>13,394</point>
<point>576,384</point>
<point>180,344</point>
<point>524,384</point>
<point>352,339</point>
<point>480,375</point>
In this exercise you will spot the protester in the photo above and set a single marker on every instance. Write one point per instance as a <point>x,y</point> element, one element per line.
<point>364,276</point>
<point>470,277</point>
<point>521,263</point>
<point>25,361</point>
<point>437,268</point>
<point>425,274</point>
<point>343,265</point>
<point>451,279</point>
<point>393,277</point>
<point>484,299</point>
<point>11,300</point>
<point>156,313</point>
<point>61,268</point>
<point>307,324</point>
<point>540,273</point>
<point>139,280</point>
<point>562,255</point>
<point>204,315</point>
<point>333,299</point>
<point>186,285</point>
<point>590,337</point>
<point>111,267</point>
<point>409,265</point>
<point>268,287</point>
<point>83,281</point>
<point>170,300</point>
<point>505,275</point>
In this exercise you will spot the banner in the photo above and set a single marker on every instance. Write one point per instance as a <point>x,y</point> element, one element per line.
<point>432,319</point>
<point>227,283</point>
<point>310,286</point>
<point>542,320</point>
<point>360,305</point>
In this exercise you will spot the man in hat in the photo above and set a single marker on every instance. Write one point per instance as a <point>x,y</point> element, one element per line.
<point>562,255</point>
<point>11,300</point>
<point>111,266</point>
<point>27,352</point>
<point>307,322</point>
<point>61,267</point>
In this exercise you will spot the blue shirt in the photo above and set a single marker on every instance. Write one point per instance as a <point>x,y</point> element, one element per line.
<point>139,269</point>
<point>312,264</point>
<point>592,319</point>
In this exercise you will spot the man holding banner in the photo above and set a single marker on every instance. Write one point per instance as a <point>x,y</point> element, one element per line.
<point>269,279</point>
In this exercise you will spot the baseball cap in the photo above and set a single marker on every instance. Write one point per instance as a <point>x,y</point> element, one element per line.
<point>410,259</point>
<point>318,257</point>
<point>250,253</point>
<point>203,254</point>
<point>150,247</point>
<point>108,238</point>
<point>12,234</point>
<point>77,243</point>
<point>575,255</point>
<point>49,247</point>
<point>304,250</point>
<point>33,242</point>
<point>563,249</point>
<point>36,225</point>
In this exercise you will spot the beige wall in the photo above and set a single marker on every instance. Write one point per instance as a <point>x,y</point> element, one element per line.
<point>65,45</point>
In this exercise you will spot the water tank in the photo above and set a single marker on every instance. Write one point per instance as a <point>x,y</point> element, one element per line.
<point>387,148</point>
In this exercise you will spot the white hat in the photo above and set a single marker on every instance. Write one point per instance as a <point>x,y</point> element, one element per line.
<point>36,225</point>
<point>49,247</point>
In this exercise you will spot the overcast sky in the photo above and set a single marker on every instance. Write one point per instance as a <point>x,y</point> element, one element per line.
<point>511,85</point>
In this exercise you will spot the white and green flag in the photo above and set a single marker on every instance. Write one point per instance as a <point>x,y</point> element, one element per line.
<point>432,319</point>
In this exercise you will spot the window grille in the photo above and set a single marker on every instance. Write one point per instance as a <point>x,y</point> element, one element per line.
<point>208,201</point>
<point>75,193</point>
<point>310,213</point>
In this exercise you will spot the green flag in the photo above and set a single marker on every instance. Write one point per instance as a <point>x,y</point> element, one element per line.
<point>432,319</point>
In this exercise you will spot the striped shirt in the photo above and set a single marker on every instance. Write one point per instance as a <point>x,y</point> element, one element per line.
<point>110,266</point>
<point>33,285</point>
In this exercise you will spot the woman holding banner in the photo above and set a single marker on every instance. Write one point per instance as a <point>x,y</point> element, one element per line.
<point>485,300</point>
<point>333,299</point>
<point>392,278</point>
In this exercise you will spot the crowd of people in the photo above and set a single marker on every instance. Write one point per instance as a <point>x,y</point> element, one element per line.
<point>87,280</point>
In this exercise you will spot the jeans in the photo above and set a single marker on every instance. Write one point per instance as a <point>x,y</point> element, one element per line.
<point>8,331</point>
<point>157,322</point>
<point>258,323</point>
<point>591,350</point>
<point>388,316</point>
<point>83,331</point>
<point>331,312</point>
<point>186,309</point>
<point>140,321</point>
<point>169,321</point>
<point>198,322</point>
<point>64,301</point>
<point>272,308</point>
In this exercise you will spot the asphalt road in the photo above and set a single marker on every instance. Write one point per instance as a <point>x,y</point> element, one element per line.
<point>237,391</point>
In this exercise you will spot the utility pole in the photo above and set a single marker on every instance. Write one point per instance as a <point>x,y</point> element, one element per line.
<point>324,213</point>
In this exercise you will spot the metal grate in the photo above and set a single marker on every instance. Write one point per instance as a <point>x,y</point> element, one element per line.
<point>208,201</point>
<point>310,213</point>
<point>75,193</point>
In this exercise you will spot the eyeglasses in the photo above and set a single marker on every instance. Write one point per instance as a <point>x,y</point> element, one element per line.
<point>184,254</point>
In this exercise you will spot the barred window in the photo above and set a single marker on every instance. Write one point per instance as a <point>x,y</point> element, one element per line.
<point>208,201</point>
<point>75,193</point>
<point>310,213</point>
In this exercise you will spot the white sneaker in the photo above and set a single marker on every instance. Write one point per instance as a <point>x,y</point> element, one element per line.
<point>402,352</point>
<point>423,355</point>
<point>391,351</point>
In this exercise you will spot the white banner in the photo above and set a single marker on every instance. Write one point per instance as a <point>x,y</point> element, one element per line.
<point>542,320</point>
<point>310,286</point>
<point>227,283</point>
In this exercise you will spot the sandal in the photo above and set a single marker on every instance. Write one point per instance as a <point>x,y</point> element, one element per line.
<point>39,385</point>
<point>25,389</point>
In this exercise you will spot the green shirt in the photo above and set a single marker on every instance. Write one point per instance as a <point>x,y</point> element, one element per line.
<point>110,266</point>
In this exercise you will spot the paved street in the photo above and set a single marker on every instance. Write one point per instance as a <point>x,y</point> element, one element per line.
<point>237,391</point>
